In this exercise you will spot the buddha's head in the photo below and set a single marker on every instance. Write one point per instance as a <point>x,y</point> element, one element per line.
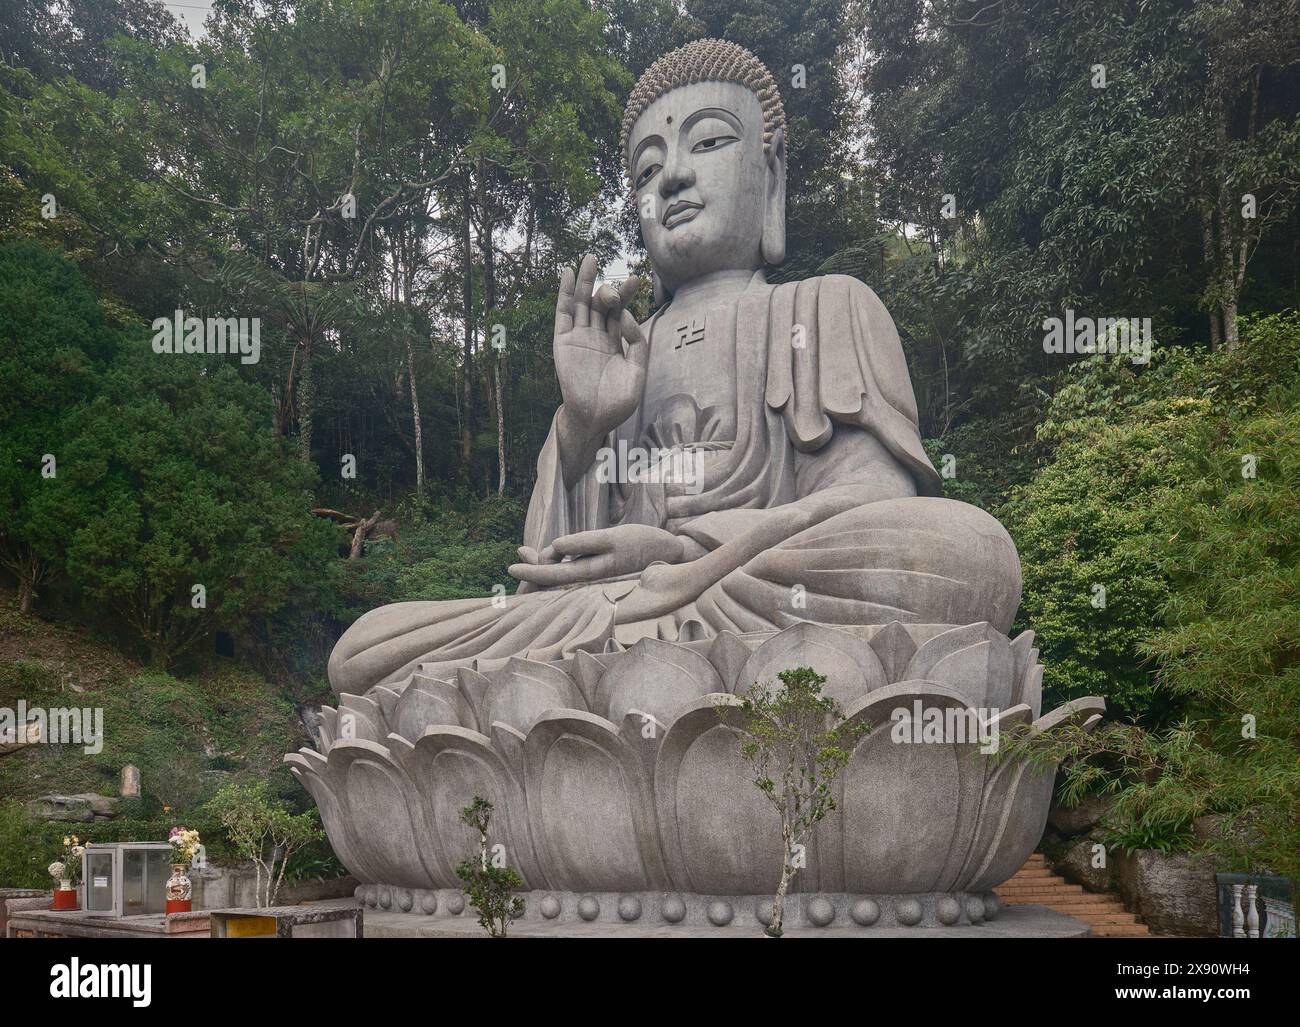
<point>704,140</point>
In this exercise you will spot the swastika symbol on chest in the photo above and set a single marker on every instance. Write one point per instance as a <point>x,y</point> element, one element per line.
<point>689,334</point>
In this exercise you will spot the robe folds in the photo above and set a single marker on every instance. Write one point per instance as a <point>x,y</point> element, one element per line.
<point>825,424</point>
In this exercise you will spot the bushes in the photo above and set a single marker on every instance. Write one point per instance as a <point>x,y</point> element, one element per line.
<point>54,348</point>
<point>187,736</point>
<point>452,550</point>
<point>166,476</point>
<point>264,831</point>
<point>1230,645</point>
<point>173,483</point>
<point>27,847</point>
<point>1098,525</point>
<point>1179,491</point>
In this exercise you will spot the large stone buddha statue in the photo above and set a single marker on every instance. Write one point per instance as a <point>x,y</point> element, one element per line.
<point>745,459</point>
<point>731,489</point>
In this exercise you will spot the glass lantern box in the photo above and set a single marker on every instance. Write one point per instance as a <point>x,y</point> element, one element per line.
<point>126,878</point>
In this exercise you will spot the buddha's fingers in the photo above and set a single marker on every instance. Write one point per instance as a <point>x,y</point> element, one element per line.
<point>606,299</point>
<point>638,349</point>
<point>582,292</point>
<point>627,291</point>
<point>555,575</point>
<point>564,304</point>
<point>586,543</point>
<point>606,310</point>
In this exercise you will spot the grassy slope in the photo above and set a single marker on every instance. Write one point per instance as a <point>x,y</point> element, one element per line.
<point>188,736</point>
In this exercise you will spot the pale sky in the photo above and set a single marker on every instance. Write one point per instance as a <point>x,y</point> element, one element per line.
<point>193,13</point>
<point>190,13</point>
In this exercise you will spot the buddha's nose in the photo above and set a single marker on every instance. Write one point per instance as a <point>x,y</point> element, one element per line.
<point>676,176</point>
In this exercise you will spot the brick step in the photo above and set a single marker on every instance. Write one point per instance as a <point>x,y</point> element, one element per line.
<point>1056,887</point>
<point>1106,918</point>
<point>1037,884</point>
<point>1066,902</point>
<point>1121,931</point>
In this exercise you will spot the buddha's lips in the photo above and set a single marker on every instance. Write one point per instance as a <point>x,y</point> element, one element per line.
<point>686,208</point>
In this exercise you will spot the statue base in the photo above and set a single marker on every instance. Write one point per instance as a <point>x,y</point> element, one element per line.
<point>621,794</point>
<point>1017,921</point>
<point>691,911</point>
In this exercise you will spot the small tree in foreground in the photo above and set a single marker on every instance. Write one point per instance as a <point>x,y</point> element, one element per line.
<point>264,831</point>
<point>489,887</point>
<point>796,740</point>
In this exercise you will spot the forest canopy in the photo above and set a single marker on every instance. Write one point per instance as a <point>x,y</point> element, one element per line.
<point>392,187</point>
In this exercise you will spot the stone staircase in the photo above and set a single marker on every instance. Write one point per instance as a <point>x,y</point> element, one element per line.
<point>1039,884</point>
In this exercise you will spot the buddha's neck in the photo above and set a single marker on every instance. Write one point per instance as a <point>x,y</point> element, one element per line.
<point>716,286</point>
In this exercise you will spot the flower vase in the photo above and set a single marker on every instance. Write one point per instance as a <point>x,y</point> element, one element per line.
<point>65,896</point>
<point>179,890</point>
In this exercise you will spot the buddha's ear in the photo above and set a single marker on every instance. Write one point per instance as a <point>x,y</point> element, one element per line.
<point>661,294</point>
<point>774,208</point>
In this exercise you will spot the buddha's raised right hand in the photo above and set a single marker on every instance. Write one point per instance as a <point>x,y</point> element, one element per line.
<point>600,385</point>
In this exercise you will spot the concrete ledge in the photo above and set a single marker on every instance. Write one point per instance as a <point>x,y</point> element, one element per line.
<point>1012,922</point>
<point>79,924</point>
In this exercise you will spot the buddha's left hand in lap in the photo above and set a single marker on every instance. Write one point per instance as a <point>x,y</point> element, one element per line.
<point>598,555</point>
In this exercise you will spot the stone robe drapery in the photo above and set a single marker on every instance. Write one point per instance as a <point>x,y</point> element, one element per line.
<point>825,418</point>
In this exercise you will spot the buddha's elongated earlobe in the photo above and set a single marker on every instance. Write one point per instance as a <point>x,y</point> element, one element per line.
<point>774,208</point>
<point>661,294</point>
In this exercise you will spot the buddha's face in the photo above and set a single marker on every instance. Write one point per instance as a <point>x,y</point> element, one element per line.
<point>703,183</point>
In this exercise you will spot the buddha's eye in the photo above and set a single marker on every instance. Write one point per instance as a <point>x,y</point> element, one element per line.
<point>647,173</point>
<point>712,143</point>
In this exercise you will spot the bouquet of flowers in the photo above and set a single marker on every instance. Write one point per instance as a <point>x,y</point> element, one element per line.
<point>185,843</point>
<point>68,866</point>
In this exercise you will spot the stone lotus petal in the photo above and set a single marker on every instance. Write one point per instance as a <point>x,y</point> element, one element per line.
<point>654,677</point>
<point>926,792</point>
<point>717,829</point>
<point>619,787</point>
<point>848,662</point>
<point>311,770</point>
<point>519,692</point>
<point>427,700</point>
<point>328,726</point>
<point>1017,798</point>
<point>382,821</point>
<point>591,805</point>
<point>360,718</point>
<point>448,763</point>
<point>976,660</point>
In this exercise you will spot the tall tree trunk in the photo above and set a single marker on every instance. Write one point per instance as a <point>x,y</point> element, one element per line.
<point>467,428</point>
<point>1229,278</point>
<point>415,416</point>
<point>306,401</point>
<point>498,373</point>
<point>486,245</point>
<point>1210,255</point>
<point>404,261</point>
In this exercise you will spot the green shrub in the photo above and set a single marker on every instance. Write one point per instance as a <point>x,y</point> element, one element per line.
<point>27,847</point>
<point>456,550</point>
<point>1204,510</point>
<point>1094,526</point>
